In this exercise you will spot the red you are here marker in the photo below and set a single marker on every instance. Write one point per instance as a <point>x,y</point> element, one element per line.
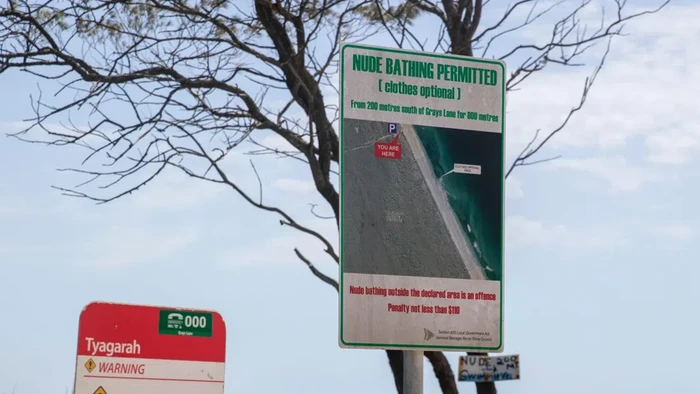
<point>388,150</point>
<point>137,349</point>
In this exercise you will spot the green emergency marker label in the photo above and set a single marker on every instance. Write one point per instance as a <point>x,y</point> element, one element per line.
<point>177,322</point>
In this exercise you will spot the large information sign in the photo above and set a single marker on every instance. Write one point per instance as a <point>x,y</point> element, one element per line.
<point>422,196</point>
<point>136,349</point>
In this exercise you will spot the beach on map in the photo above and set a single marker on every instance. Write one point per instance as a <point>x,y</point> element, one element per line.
<point>421,194</point>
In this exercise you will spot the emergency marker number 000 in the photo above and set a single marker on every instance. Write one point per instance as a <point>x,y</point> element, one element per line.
<point>195,321</point>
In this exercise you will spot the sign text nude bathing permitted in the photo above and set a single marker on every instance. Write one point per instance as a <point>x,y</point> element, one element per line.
<point>421,200</point>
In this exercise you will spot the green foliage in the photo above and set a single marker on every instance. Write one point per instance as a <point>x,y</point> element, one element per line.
<point>405,12</point>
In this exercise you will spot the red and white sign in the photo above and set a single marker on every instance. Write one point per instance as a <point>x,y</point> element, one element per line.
<point>122,350</point>
<point>388,150</point>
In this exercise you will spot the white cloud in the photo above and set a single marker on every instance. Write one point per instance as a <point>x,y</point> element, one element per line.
<point>274,141</point>
<point>616,171</point>
<point>671,148</point>
<point>514,188</point>
<point>48,205</point>
<point>276,250</point>
<point>13,206</point>
<point>175,190</point>
<point>280,249</point>
<point>120,246</point>
<point>522,232</point>
<point>677,230</point>
<point>294,185</point>
<point>648,89</point>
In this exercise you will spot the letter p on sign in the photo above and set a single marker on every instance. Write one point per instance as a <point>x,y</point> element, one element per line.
<point>392,128</point>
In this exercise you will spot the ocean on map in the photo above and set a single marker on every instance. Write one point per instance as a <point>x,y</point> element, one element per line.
<point>475,199</point>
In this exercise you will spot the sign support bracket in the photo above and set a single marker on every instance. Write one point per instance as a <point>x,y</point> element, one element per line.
<point>413,372</point>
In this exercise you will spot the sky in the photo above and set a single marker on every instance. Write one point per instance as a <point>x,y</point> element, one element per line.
<point>601,274</point>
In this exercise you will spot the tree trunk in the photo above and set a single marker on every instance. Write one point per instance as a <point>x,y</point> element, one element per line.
<point>484,387</point>
<point>396,364</point>
<point>443,372</point>
<point>441,368</point>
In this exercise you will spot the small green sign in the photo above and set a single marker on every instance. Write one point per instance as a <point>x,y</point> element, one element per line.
<point>178,322</point>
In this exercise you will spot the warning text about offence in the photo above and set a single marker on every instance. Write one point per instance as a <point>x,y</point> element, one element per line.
<point>422,293</point>
<point>426,71</point>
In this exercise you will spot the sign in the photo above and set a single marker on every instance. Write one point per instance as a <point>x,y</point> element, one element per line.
<point>135,349</point>
<point>174,322</point>
<point>391,150</point>
<point>392,128</point>
<point>488,369</point>
<point>467,169</point>
<point>431,277</point>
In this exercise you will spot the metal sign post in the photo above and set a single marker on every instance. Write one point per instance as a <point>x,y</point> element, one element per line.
<point>413,372</point>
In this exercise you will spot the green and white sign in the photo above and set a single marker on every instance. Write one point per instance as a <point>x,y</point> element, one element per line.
<point>422,200</point>
<point>177,322</point>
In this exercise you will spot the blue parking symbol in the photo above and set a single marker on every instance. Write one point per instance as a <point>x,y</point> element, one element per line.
<point>392,128</point>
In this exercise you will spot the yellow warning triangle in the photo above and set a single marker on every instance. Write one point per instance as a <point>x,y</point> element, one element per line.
<point>100,390</point>
<point>90,365</point>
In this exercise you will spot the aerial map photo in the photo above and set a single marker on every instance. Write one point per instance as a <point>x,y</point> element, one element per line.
<point>444,184</point>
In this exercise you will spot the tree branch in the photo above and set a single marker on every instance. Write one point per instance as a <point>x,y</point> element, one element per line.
<point>320,275</point>
<point>534,146</point>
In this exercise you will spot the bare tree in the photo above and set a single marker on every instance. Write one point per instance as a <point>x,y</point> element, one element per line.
<point>193,80</point>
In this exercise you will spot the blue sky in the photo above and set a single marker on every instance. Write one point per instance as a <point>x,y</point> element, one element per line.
<point>601,274</point>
